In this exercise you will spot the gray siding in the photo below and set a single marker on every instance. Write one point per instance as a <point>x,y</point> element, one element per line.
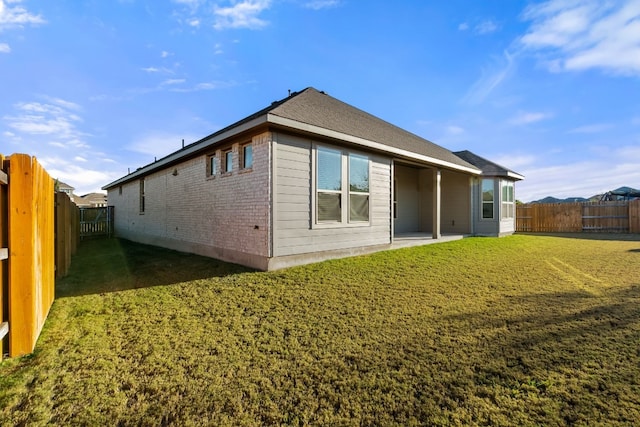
<point>456,203</point>
<point>293,230</point>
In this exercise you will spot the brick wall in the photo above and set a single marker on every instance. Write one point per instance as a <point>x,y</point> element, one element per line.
<point>187,210</point>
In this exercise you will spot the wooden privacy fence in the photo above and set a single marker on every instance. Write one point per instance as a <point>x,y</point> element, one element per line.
<point>599,217</point>
<point>96,222</point>
<point>67,232</point>
<point>28,250</point>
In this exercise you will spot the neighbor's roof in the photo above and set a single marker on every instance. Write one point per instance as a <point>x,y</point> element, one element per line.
<point>488,167</point>
<point>314,112</point>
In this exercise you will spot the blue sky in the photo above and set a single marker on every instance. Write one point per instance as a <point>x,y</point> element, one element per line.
<point>550,89</point>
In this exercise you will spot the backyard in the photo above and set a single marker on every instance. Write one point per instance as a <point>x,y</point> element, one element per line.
<point>521,330</point>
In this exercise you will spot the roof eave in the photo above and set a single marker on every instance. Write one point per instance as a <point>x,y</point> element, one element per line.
<point>190,150</point>
<point>515,176</point>
<point>305,127</point>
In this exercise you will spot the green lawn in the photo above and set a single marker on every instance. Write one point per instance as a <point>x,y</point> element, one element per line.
<point>522,330</point>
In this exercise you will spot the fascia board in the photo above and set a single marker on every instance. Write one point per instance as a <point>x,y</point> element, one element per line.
<point>282,121</point>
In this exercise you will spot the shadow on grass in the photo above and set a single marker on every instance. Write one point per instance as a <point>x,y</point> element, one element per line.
<point>573,348</point>
<point>110,265</point>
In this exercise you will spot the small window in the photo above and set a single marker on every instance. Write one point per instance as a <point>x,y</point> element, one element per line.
<point>508,207</point>
<point>142,195</point>
<point>228,161</point>
<point>212,165</point>
<point>487,198</point>
<point>120,190</point>
<point>247,156</point>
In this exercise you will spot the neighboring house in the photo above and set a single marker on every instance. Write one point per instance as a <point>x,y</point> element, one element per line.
<point>64,188</point>
<point>91,200</point>
<point>495,192</point>
<point>305,179</point>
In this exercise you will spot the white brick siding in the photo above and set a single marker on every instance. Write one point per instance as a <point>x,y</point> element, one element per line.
<point>226,216</point>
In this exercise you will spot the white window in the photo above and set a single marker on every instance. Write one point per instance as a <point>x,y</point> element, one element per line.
<point>247,156</point>
<point>507,206</point>
<point>342,187</point>
<point>487,198</point>
<point>212,165</point>
<point>228,161</point>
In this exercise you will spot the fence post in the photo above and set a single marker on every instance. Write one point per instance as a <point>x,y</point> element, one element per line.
<point>634,216</point>
<point>4,256</point>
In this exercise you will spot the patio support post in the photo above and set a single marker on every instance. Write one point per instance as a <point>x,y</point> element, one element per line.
<point>437,176</point>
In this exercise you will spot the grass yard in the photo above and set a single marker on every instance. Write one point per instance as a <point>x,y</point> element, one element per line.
<point>522,330</point>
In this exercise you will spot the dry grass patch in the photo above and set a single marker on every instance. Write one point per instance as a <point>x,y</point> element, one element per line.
<point>522,330</point>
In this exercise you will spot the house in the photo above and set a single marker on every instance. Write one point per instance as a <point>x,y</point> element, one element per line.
<point>91,200</point>
<point>495,192</point>
<point>305,179</point>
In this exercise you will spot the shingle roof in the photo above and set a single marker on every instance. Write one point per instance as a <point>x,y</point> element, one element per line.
<point>487,167</point>
<point>319,109</point>
<point>314,111</point>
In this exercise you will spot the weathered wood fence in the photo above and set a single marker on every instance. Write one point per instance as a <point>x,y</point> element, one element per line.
<point>96,222</point>
<point>67,232</point>
<point>598,217</point>
<point>28,254</point>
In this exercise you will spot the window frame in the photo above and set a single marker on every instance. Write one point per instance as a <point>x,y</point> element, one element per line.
<point>507,207</point>
<point>227,156</point>
<point>484,202</point>
<point>142,196</point>
<point>243,156</point>
<point>212,165</point>
<point>345,192</point>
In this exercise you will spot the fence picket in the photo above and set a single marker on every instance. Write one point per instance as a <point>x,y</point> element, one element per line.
<point>28,250</point>
<point>605,216</point>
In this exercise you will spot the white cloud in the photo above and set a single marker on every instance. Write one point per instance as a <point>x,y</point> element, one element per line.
<point>614,168</point>
<point>79,159</point>
<point>563,182</point>
<point>36,118</point>
<point>463,27</point>
<point>85,180</point>
<point>580,35</point>
<point>490,79</point>
<point>514,162</point>
<point>486,27</point>
<point>593,128</point>
<point>17,16</point>
<point>172,82</point>
<point>525,118</point>
<point>165,54</point>
<point>455,130</point>
<point>321,4</point>
<point>194,22</point>
<point>203,86</point>
<point>159,144</point>
<point>242,14</point>
<point>5,48</point>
